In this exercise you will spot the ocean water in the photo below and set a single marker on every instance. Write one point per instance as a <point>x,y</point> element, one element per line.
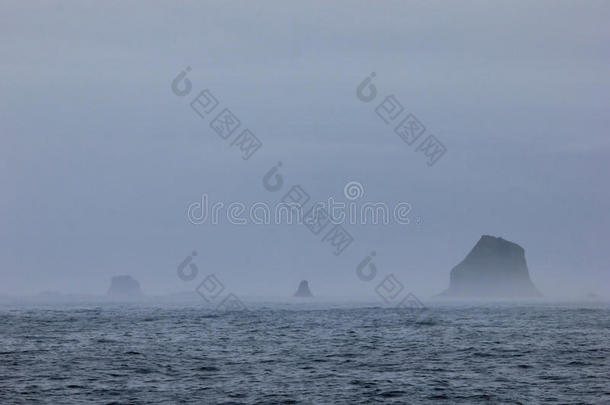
<point>296,354</point>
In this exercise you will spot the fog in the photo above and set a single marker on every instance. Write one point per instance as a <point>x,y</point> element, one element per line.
<point>100,159</point>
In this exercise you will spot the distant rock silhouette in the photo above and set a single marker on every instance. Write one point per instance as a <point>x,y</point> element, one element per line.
<point>592,296</point>
<point>494,268</point>
<point>124,287</point>
<point>303,290</point>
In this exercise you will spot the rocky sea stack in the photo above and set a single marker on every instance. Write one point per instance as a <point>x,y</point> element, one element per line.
<point>303,290</point>
<point>494,268</point>
<point>124,287</point>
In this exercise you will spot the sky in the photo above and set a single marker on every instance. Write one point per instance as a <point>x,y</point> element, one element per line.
<point>100,159</point>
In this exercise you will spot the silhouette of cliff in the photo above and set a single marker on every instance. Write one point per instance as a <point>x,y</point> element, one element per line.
<point>303,290</point>
<point>124,287</point>
<point>494,268</point>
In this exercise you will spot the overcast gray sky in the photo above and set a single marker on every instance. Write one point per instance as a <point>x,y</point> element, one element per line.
<point>99,159</point>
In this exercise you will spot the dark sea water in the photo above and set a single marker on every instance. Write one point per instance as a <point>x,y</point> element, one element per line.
<point>468,354</point>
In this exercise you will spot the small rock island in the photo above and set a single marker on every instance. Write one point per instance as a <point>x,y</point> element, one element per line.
<point>303,290</point>
<point>124,287</point>
<point>494,268</point>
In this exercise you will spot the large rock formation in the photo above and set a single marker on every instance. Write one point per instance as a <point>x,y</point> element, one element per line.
<point>303,290</point>
<point>124,287</point>
<point>494,268</point>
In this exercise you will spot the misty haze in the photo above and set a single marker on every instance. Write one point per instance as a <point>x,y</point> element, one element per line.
<point>304,203</point>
